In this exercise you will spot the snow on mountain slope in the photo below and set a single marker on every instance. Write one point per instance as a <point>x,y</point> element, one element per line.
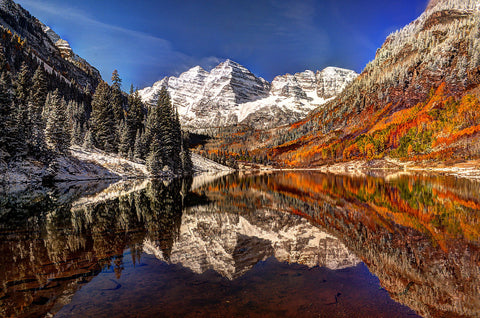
<point>230,94</point>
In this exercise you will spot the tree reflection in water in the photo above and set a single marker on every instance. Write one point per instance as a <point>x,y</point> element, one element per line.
<point>418,234</point>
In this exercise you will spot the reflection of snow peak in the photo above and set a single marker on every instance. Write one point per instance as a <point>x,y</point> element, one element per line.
<point>231,245</point>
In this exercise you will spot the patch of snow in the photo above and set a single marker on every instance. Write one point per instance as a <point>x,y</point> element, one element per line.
<point>202,164</point>
<point>83,165</point>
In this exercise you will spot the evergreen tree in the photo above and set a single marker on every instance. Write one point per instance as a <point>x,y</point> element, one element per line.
<point>88,142</point>
<point>23,85</point>
<point>76,134</point>
<point>116,97</point>
<point>165,126</point>
<point>185,155</point>
<point>135,116</point>
<point>23,127</point>
<point>178,141</point>
<point>37,102</point>
<point>102,120</point>
<point>154,160</point>
<point>154,133</point>
<point>7,123</point>
<point>163,132</point>
<point>57,132</point>
<point>46,107</point>
<point>139,150</point>
<point>124,144</point>
<point>77,117</point>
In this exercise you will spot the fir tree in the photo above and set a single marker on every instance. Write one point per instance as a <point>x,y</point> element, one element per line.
<point>116,98</point>
<point>88,140</point>
<point>165,127</point>
<point>76,131</point>
<point>102,121</point>
<point>135,116</point>
<point>7,123</point>
<point>177,136</point>
<point>185,155</point>
<point>154,131</point>
<point>124,144</point>
<point>57,134</point>
<point>154,161</point>
<point>37,102</point>
<point>23,85</point>
<point>139,147</point>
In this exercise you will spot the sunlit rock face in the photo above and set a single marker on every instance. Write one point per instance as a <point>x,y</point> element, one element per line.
<point>231,244</point>
<point>230,94</point>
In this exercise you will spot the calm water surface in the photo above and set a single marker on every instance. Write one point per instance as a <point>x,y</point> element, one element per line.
<point>272,245</point>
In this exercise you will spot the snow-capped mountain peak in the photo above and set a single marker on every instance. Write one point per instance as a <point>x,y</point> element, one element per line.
<point>230,94</point>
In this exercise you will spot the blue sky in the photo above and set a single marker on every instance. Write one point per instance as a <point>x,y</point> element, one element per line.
<point>147,40</point>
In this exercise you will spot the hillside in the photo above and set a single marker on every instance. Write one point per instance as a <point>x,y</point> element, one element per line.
<point>25,38</point>
<point>61,121</point>
<point>417,100</point>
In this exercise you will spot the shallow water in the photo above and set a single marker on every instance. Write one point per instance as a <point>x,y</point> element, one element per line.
<point>272,245</point>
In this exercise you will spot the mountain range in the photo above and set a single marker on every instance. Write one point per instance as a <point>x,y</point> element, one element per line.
<point>230,94</point>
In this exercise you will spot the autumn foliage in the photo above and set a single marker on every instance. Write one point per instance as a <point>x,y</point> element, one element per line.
<point>442,127</point>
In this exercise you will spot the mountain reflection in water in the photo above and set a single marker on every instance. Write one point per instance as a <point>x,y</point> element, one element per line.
<point>229,246</point>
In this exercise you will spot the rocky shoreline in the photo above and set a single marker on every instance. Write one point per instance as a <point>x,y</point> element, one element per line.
<point>385,168</point>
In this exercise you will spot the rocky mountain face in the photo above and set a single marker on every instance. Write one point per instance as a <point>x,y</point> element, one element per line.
<point>230,94</point>
<point>431,59</point>
<point>45,46</point>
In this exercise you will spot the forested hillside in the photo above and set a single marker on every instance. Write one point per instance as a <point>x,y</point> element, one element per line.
<point>48,104</point>
<point>417,100</point>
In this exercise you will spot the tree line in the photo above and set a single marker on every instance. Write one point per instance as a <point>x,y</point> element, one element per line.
<point>42,123</point>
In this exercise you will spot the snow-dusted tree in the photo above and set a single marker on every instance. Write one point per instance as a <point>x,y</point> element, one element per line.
<point>23,126</point>
<point>154,161</point>
<point>7,123</point>
<point>139,149</point>
<point>102,120</point>
<point>124,143</point>
<point>88,142</point>
<point>37,102</point>
<point>76,133</point>
<point>23,85</point>
<point>57,130</point>
<point>116,97</point>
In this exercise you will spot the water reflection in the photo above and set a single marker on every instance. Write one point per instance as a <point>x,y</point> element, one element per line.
<point>231,244</point>
<point>232,241</point>
<point>418,234</point>
<point>53,241</point>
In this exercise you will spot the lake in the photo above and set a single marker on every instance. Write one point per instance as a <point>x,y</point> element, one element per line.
<point>280,244</point>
